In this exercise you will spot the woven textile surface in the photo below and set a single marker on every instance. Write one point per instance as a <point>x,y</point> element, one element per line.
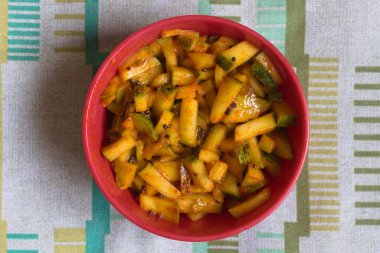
<point>49,51</point>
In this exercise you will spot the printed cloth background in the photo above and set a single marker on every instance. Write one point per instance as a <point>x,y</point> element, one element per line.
<point>49,51</point>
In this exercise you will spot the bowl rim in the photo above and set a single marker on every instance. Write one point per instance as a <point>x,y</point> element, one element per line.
<point>195,238</point>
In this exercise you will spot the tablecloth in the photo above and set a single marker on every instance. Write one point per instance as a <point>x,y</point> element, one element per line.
<point>49,51</point>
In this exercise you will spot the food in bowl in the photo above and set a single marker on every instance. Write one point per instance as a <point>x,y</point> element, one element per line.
<point>198,125</point>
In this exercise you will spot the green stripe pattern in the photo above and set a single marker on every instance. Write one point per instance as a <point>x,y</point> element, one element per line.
<point>23,30</point>
<point>23,236</point>
<point>64,36</point>
<point>323,146</point>
<point>367,204</point>
<point>24,8</point>
<point>366,138</point>
<point>367,154</point>
<point>23,25</point>
<point>270,235</point>
<point>99,226</point>
<point>23,1</point>
<point>24,33</point>
<point>224,243</point>
<point>233,18</point>
<point>199,247</point>
<point>368,222</point>
<point>367,86</point>
<point>371,171</point>
<point>116,216</point>
<point>266,3</point>
<point>237,2</point>
<point>367,188</point>
<point>271,21</point>
<point>270,251</point>
<point>21,251</point>
<point>23,58</point>
<point>229,245</point>
<point>366,102</point>
<point>265,239</point>
<point>367,69</point>
<point>21,241</point>
<point>24,16</point>
<point>366,119</point>
<point>218,250</point>
<point>295,53</point>
<point>23,42</point>
<point>205,7</point>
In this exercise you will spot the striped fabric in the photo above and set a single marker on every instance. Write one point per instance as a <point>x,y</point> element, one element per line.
<point>23,30</point>
<point>49,51</point>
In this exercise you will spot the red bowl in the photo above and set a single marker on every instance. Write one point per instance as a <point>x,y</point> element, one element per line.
<point>214,226</point>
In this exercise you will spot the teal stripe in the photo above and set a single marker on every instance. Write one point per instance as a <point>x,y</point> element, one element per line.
<point>91,24</point>
<point>24,42</point>
<point>22,58</point>
<point>116,216</point>
<point>272,33</point>
<point>23,16</point>
<point>204,7</point>
<point>24,1</point>
<point>199,247</point>
<point>23,8</point>
<point>281,48</point>
<point>270,3</point>
<point>23,236</point>
<point>270,251</point>
<point>23,50</point>
<point>99,226</point>
<point>271,17</point>
<point>21,251</point>
<point>23,33</point>
<point>270,235</point>
<point>23,25</point>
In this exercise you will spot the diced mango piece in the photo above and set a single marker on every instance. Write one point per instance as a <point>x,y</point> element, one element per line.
<point>165,208</point>
<point>267,144</point>
<point>227,92</point>
<point>208,156</point>
<point>218,172</point>
<point>115,149</point>
<point>198,172</point>
<point>251,203</point>
<point>154,178</point>
<point>262,125</point>
<point>188,122</point>
<point>125,172</point>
